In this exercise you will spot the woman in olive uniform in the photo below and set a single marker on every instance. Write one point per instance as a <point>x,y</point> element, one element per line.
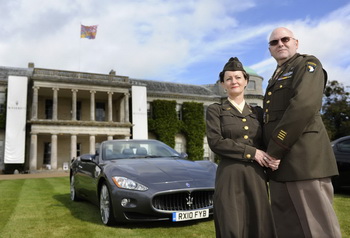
<point>241,203</point>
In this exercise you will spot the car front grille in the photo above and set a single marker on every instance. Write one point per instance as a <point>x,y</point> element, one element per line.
<point>183,201</point>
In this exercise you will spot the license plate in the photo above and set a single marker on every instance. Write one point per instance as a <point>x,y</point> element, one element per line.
<point>190,215</point>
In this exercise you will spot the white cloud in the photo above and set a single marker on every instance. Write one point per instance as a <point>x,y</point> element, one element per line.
<point>157,38</point>
<point>326,38</point>
<point>136,38</point>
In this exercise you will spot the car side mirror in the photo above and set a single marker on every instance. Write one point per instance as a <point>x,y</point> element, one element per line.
<point>183,155</point>
<point>87,158</point>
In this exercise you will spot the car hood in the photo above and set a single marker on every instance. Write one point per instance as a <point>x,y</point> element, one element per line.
<point>156,171</point>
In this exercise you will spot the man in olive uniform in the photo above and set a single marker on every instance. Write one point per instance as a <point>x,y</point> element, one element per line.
<point>301,189</point>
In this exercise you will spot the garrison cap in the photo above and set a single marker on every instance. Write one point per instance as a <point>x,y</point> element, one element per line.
<point>233,64</point>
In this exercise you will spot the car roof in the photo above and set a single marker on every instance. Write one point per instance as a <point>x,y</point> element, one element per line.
<point>341,139</point>
<point>132,140</point>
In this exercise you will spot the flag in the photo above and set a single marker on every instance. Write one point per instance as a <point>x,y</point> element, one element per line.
<point>88,32</point>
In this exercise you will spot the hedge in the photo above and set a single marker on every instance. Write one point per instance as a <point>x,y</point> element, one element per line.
<point>164,122</point>
<point>194,129</point>
<point>165,125</point>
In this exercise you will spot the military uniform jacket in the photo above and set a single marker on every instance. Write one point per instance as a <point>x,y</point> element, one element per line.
<point>232,134</point>
<point>240,198</point>
<point>293,127</point>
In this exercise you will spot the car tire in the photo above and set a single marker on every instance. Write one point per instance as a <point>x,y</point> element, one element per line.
<point>73,191</point>
<point>335,183</point>
<point>106,208</point>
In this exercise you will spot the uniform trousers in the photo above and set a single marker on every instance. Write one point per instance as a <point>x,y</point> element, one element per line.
<point>304,209</point>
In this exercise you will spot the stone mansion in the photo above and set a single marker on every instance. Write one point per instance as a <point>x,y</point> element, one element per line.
<point>69,113</point>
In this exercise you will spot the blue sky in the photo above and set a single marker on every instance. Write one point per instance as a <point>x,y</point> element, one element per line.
<point>183,41</point>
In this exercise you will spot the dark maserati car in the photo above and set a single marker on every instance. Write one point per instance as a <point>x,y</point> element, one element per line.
<point>341,148</point>
<point>143,180</point>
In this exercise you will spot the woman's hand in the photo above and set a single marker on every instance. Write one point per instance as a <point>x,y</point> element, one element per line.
<point>266,161</point>
<point>260,157</point>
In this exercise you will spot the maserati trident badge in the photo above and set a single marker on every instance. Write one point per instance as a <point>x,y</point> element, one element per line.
<point>189,200</point>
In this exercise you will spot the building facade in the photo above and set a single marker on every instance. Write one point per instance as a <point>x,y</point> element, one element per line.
<point>71,113</point>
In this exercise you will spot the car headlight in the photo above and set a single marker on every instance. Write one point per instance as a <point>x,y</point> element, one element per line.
<point>126,183</point>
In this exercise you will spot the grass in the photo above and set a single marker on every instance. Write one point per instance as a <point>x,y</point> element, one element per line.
<point>42,208</point>
<point>342,209</point>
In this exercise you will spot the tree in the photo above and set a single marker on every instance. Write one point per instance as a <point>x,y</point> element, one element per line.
<point>336,110</point>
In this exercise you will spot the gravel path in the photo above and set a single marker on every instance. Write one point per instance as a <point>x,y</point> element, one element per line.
<point>45,174</point>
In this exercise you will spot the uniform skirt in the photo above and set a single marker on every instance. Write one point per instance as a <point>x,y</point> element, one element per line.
<point>241,202</point>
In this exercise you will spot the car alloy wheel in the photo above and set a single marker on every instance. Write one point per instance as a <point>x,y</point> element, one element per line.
<point>73,193</point>
<point>106,210</point>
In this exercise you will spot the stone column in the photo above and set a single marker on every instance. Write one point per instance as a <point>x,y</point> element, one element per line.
<point>92,105</point>
<point>35,103</point>
<point>33,159</point>
<point>55,103</point>
<point>121,115</point>
<point>126,101</point>
<point>54,151</point>
<point>110,137</point>
<point>92,144</point>
<point>73,146</point>
<point>110,107</point>
<point>74,104</point>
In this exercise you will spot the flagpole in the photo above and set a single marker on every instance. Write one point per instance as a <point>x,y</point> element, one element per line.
<point>79,52</point>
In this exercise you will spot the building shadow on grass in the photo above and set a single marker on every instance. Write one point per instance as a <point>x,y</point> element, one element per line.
<point>86,211</point>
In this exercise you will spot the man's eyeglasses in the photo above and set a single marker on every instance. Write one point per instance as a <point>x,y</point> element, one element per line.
<point>284,40</point>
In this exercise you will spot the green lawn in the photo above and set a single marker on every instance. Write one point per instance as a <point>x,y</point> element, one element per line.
<point>42,208</point>
<point>342,208</point>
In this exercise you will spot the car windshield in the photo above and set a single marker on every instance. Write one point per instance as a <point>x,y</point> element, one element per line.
<point>121,149</point>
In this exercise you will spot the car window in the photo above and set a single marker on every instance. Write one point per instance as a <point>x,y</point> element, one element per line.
<point>115,149</point>
<point>344,146</point>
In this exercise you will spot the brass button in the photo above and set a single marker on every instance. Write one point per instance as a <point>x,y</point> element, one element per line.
<point>268,101</point>
<point>281,86</point>
<point>245,137</point>
<point>267,110</point>
<point>246,128</point>
<point>244,120</point>
<point>269,93</point>
<point>248,156</point>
